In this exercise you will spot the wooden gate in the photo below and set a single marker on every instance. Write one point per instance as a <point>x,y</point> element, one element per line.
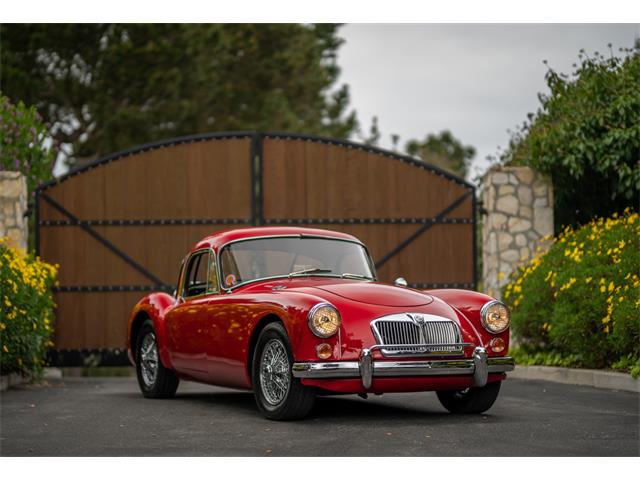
<point>120,226</point>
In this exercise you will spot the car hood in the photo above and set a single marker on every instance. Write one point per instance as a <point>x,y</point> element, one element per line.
<point>377,294</point>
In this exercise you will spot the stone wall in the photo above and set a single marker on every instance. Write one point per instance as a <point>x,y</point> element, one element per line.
<point>519,206</point>
<point>13,205</point>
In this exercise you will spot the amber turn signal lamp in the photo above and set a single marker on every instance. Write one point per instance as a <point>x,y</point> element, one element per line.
<point>324,351</point>
<point>497,345</point>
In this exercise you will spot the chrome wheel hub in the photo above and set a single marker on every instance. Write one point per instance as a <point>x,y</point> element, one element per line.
<point>149,359</point>
<point>275,375</point>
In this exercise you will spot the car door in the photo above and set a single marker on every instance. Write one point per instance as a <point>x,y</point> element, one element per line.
<point>186,325</point>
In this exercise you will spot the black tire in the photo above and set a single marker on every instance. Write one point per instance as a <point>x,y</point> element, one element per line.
<point>165,382</point>
<point>298,399</point>
<point>471,400</point>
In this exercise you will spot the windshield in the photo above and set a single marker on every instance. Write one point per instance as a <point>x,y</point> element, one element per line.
<point>293,256</point>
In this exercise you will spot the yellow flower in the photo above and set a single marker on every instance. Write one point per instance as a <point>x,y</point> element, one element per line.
<point>5,349</point>
<point>611,286</point>
<point>603,289</point>
<point>588,280</point>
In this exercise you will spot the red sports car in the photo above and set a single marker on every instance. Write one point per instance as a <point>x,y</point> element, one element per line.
<point>295,312</point>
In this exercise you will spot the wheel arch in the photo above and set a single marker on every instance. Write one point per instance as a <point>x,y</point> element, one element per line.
<point>253,341</point>
<point>136,326</point>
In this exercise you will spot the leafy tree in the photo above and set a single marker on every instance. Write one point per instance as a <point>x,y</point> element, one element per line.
<point>106,87</point>
<point>25,145</point>
<point>444,151</point>
<point>373,138</point>
<point>586,136</point>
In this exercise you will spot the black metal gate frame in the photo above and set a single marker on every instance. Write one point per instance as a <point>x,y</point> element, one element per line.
<point>117,357</point>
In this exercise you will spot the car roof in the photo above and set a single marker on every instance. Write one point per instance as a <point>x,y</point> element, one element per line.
<point>219,239</point>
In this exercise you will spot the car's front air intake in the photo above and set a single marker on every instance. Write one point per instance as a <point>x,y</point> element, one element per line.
<point>417,334</point>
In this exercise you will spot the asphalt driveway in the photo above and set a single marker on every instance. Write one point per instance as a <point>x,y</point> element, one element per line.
<point>107,416</point>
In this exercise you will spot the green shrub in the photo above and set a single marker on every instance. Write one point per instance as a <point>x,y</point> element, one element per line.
<point>586,136</point>
<point>580,301</point>
<point>25,143</point>
<point>26,315</point>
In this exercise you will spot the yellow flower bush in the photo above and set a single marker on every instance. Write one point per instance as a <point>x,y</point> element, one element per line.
<point>580,301</point>
<point>26,313</point>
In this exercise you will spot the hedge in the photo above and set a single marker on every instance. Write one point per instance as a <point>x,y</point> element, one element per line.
<point>578,304</point>
<point>26,316</point>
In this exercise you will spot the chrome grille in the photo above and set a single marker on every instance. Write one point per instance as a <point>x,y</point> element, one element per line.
<point>431,335</point>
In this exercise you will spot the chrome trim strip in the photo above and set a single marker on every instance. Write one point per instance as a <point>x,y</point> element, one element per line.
<point>326,370</point>
<point>426,368</point>
<point>500,364</point>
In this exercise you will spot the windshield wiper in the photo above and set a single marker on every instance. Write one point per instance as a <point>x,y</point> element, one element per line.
<point>357,276</point>
<point>308,271</point>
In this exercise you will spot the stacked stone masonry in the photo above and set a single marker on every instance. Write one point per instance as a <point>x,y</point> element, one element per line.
<point>13,205</point>
<point>519,214</point>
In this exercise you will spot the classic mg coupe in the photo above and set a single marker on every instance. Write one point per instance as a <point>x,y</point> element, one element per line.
<point>292,313</point>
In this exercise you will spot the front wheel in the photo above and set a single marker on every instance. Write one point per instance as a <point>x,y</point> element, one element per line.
<point>470,400</point>
<point>278,394</point>
<point>154,379</point>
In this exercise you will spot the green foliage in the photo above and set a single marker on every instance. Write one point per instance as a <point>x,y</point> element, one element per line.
<point>586,136</point>
<point>27,310</point>
<point>22,143</point>
<point>444,151</point>
<point>579,302</point>
<point>107,87</point>
<point>550,359</point>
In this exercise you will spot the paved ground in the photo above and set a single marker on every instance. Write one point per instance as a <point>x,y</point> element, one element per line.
<point>107,416</point>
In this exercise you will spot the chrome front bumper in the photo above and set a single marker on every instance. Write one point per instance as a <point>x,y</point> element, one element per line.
<point>479,366</point>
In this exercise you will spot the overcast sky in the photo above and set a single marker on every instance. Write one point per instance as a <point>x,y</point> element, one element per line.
<point>475,80</point>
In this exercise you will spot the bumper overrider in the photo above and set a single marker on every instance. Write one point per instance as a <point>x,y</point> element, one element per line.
<point>479,366</point>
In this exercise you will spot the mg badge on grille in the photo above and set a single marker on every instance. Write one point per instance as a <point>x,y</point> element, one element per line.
<point>417,319</point>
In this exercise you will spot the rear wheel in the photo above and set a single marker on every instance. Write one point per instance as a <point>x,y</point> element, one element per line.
<point>154,379</point>
<point>470,400</point>
<point>278,394</point>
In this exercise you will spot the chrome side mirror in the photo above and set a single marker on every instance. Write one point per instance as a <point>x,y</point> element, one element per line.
<point>400,282</point>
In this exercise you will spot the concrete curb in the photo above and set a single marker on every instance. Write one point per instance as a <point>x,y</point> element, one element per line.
<point>11,380</point>
<point>578,376</point>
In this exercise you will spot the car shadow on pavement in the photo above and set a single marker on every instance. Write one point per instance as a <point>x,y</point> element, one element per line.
<point>333,408</point>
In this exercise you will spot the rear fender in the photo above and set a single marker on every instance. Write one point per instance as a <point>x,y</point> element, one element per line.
<point>153,307</point>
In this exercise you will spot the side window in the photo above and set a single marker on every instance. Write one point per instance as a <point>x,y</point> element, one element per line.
<point>214,286</point>
<point>177,292</point>
<point>195,280</point>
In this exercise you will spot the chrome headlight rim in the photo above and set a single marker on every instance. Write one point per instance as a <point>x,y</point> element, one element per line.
<point>313,311</point>
<point>483,316</point>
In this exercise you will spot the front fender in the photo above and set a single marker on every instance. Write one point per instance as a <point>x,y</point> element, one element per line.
<point>468,304</point>
<point>154,307</point>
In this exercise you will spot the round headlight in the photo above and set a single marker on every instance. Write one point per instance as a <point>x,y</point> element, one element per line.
<point>324,320</point>
<point>495,316</point>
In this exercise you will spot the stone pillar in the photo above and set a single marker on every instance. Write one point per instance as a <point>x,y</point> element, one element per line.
<point>13,205</point>
<point>519,205</point>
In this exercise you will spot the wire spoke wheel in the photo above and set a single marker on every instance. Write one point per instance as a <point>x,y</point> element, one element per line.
<point>275,376</point>
<point>149,357</point>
